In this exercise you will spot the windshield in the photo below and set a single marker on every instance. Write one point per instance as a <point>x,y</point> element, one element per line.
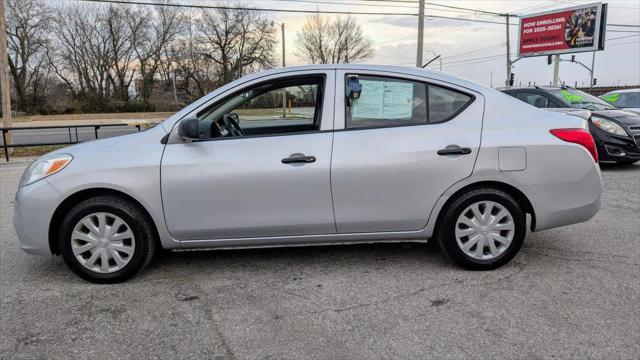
<point>623,100</point>
<point>580,99</point>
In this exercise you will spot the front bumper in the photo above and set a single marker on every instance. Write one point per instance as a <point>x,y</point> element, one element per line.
<point>33,209</point>
<point>616,148</point>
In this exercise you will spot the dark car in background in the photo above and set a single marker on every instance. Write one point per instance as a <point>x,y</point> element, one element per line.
<point>615,131</point>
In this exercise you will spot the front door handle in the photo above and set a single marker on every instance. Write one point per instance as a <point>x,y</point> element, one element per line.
<point>298,158</point>
<point>454,150</point>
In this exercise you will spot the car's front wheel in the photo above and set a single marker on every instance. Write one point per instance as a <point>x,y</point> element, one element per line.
<point>482,229</point>
<point>106,239</point>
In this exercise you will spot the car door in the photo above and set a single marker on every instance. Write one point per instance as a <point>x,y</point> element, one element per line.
<point>404,142</point>
<point>255,185</point>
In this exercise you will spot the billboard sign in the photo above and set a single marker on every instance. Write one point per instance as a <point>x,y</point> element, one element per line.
<point>569,30</point>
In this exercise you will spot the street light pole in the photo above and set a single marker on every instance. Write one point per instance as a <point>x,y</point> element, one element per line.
<point>284,63</point>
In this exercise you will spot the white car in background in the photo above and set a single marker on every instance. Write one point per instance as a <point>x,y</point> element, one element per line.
<point>628,99</point>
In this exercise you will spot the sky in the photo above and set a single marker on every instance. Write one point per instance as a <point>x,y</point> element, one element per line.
<point>468,49</point>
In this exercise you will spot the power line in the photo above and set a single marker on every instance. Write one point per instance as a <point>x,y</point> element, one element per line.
<point>345,3</point>
<point>623,37</point>
<point>465,19</point>
<point>225,7</point>
<point>624,25</point>
<point>468,9</point>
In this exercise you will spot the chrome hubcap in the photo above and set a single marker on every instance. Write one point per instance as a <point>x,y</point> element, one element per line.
<point>484,230</point>
<point>103,242</point>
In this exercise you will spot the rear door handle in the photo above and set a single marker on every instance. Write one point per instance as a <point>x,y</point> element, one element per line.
<point>298,158</point>
<point>454,150</point>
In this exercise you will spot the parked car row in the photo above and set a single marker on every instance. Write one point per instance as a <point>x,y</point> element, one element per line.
<point>615,126</point>
<point>376,154</point>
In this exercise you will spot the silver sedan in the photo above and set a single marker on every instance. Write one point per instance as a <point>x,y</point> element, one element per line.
<point>333,154</point>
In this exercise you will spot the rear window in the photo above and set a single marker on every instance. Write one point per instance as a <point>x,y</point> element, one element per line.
<point>623,100</point>
<point>445,103</point>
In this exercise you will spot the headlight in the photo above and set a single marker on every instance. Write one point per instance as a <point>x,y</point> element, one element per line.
<point>608,126</point>
<point>45,166</point>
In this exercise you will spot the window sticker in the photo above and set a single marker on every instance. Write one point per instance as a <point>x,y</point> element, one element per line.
<point>572,98</point>
<point>384,100</point>
<point>612,98</point>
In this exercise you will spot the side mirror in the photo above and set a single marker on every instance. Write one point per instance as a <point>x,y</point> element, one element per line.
<point>189,129</point>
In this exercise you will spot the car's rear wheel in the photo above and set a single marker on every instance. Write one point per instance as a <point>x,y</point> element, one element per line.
<point>106,239</point>
<point>482,229</point>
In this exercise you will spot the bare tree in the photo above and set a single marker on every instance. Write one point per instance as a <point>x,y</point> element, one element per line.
<point>121,47</point>
<point>83,56</point>
<point>27,42</point>
<point>323,41</point>
<point>237,40</point>
<point>152,32</point>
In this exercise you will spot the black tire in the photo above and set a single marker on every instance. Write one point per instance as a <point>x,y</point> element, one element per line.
<point>446,228</point>
<point>142,228</point>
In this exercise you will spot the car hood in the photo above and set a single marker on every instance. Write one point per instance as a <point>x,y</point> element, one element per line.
<point>621,116</point>
<point>633,110</point>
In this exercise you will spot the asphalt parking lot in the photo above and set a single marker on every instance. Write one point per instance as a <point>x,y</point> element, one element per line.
<point>572,292</point>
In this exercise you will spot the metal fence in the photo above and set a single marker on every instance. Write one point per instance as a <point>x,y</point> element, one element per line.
<point>73,135</point>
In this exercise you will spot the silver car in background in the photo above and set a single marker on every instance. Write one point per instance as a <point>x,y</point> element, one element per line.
<point>330,154</point>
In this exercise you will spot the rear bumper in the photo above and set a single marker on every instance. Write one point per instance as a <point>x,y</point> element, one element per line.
<point>33,208</point>
<point>568,203</point>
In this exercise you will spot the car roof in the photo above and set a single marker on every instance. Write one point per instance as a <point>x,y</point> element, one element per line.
<point>535,87</point>
<point>623,91</point>
<point>407,70</point>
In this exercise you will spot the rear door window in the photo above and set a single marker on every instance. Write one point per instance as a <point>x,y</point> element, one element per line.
<point>386,101</point>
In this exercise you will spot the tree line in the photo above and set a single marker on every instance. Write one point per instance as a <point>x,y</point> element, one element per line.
<point>77,57</point>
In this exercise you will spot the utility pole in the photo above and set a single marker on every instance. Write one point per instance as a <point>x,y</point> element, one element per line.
<point>4,75</point>
<point>420,33</point>
<point>556,70</point>
<point>508,52</point>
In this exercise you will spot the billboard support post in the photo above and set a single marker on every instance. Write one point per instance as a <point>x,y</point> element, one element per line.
<point>593,64</point>
<point>556,69</point>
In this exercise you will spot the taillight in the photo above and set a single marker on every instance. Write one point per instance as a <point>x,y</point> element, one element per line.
<point>577,136</point>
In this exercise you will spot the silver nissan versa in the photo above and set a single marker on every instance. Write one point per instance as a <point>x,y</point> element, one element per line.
<point>311,155</point>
